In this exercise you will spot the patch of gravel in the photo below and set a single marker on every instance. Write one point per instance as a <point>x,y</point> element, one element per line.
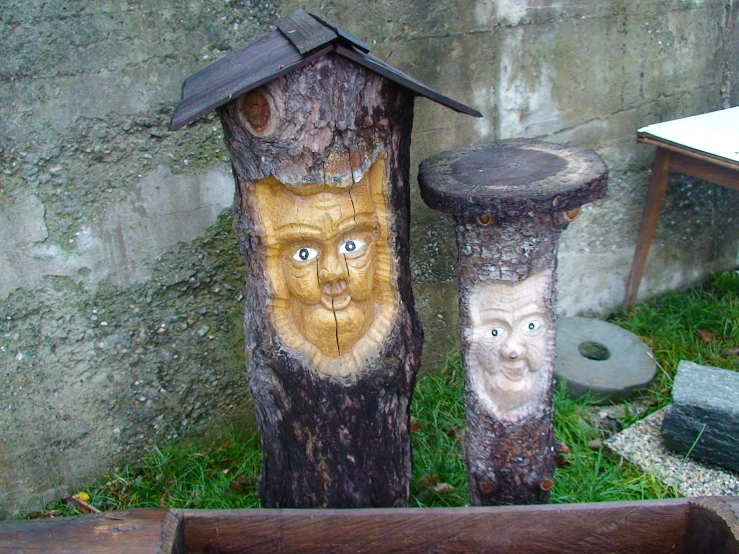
<point>642,445</point>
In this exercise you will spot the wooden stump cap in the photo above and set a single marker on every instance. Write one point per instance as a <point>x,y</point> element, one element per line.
<point>512,178</point>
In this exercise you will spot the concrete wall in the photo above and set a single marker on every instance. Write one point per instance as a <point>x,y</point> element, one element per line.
<point>120,280</point>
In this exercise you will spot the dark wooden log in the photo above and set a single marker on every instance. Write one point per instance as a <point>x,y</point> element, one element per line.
<point>623,527</point>
<point>510,201</point>
<point>321,161</point>
<point>157,531</point>
<point>684,525</point>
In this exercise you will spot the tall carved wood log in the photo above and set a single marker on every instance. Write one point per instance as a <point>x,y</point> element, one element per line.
<point>510,201</point>
<point>321,161</point>
<point>319,135</point>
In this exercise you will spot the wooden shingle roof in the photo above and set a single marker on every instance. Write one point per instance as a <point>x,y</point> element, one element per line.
<point>299,39</point>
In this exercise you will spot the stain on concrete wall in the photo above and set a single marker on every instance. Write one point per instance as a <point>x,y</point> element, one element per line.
<point>120,279</point>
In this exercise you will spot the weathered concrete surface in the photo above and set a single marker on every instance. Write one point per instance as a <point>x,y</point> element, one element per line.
<point>703,419</point>
<point>102,209</point>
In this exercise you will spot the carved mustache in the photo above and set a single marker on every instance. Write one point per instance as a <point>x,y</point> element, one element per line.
<point>335,288</point>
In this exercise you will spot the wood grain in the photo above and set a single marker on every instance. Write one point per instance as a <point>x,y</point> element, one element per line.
<point>510,201</point>
<point>304,32</point>
<point>643,527</point>
<point>156,531</point>
<point>328,441</point>
<point>684,525</point>
<point>300,39</point>
<point>646,138</point>
<point>512,178</point>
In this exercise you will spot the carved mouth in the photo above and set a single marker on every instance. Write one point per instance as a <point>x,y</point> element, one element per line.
<point>338,302</point>
<point>515,373</point>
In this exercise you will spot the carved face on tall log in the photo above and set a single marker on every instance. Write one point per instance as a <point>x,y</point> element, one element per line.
<point>511,341</point>
<point>330,267</point>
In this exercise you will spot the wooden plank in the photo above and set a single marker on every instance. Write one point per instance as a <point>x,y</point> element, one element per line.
<point>389,72</point>
<point>156,531</point>
<point>702,169</point>
<point>346,35</point>
<point>644,527</point>
<point>304,32</point>
<point>299,40</point>
<point>235,75</point>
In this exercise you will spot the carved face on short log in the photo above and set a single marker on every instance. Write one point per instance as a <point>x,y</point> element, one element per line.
<point>330,267</point>
<point>510,343</point>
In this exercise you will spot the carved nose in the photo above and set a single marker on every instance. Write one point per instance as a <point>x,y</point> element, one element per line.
<point>332,269</point>
<point>512,349</point>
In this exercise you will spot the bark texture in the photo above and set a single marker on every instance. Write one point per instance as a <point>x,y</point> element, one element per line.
<point>508,462</point>
<point>327,441</point>
<point>510,201</point>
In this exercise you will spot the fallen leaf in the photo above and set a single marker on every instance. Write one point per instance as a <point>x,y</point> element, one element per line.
<point>430,480</point>
<point>731,352</point>
<point>561,447</point>
<point>454,433</point>
<point>415,425</point>
<point>80,505</point>
<point>705,337</point>
<point>82,496</point>
<point>242,484</point>
<point>595,444</point>
<point>562,460</point>
<point>439,488</point>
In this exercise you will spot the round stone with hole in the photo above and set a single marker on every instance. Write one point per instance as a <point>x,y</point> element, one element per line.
<point>602,359</point>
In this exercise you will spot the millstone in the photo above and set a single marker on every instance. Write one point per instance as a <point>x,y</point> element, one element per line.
<point>602,359</point>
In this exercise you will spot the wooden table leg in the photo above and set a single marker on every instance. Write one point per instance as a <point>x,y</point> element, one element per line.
<point>655,198</point>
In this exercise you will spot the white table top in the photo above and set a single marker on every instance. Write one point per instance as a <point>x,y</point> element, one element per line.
<point>715,133</point>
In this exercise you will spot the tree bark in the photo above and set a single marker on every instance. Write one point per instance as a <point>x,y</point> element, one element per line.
<point>333,343</point>
<point>510,202</point>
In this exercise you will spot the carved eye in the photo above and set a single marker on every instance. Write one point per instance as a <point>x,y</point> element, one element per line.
<point>351,246</point>
<point>305,254</point>
<point>497,332</point>
<point>533,326</point>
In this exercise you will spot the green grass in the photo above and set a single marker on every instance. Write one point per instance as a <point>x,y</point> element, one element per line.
<point>699,324</point>
<point>678,325</point>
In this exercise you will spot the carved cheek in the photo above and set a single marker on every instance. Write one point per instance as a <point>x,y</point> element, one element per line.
<point>302,280</point>
<point>535,351</point>
<point>361,273</point>
<point>487,352</point>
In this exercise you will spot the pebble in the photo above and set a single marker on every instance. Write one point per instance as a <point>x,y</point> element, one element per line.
<point>203,331</point>
<point>166,355</point>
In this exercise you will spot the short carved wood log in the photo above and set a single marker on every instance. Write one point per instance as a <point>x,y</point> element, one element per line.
<point>510,201</point>
<point>321,161</point>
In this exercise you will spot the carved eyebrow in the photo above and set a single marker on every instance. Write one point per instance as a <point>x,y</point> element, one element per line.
<point>360,222</point>
<point>301,231</point>
<point>513,315</point>
<point>295,232</point>
<point>536,310</point>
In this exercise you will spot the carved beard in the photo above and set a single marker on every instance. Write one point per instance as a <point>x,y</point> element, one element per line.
<point>332,306</point>
<point>511,345</point>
